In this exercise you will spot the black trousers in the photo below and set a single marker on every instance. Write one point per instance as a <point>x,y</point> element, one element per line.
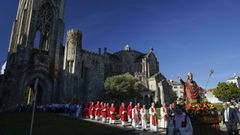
<point>232,128</point>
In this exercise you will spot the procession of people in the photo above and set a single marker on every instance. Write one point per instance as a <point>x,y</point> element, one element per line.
<point>136,116</point>
<point>171,117</point>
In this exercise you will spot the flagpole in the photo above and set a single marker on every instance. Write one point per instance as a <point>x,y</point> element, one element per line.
<point>34,104</point>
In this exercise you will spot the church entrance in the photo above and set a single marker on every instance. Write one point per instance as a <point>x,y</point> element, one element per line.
<point>45,88</point>
<point>29,94</point>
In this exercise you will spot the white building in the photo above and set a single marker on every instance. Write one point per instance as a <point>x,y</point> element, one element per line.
<point>234,79</point>
<point>177,87</point>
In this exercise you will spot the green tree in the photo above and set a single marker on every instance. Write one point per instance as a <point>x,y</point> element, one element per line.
<point>122,87</point>
<point>174,96</point>
<point>226,91</point>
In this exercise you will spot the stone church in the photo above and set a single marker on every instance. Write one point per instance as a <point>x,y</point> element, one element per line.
<point>69,72</point>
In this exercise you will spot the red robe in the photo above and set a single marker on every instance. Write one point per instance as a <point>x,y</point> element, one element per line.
<point>138,109</point>
<point>86,111</point>
<point>165,111</point>
<point>97,110</point>
<point>104,112</point>
<point>108,112</point>
<point>91,109</point>
<point>153,117</point>
<point>191,91</point>
<point>120,110</point>
<point>123,114</point>
<point>100,108</point>
<point>129,110</point>
<point>112,113</point>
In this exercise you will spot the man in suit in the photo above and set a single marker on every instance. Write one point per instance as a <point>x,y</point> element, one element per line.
<point>230,118</point>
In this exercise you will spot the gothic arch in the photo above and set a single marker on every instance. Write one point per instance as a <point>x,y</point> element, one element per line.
<point>45,83</point>
<point>45,17</point>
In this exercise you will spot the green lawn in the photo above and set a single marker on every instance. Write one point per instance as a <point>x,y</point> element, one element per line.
<point>51,124</point>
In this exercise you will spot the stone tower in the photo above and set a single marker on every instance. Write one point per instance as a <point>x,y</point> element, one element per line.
<point>72,50</point>
<point>72,82</point>
<point>83,71</point>
<point>35,51</point>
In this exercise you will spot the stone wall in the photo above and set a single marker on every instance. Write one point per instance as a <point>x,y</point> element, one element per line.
<point>27,59</point>
<point>22,69</point>
<point>70,73</point>
<point>162,90</point>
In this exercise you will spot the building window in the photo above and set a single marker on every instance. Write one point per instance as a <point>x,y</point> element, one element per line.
<point>37,40</point>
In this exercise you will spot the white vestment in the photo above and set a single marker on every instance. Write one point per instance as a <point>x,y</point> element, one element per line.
<point>135,119</point>
<point>164,115</point>
<point>153,115</point>
<point>143,113</point>
<point>179,120</point>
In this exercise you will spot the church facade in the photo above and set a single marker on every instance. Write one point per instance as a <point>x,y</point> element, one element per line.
<point>36,50</point>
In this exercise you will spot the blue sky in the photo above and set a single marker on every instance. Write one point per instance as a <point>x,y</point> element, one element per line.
<point>187,35</point>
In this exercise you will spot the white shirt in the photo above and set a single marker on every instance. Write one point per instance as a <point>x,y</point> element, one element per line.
<point>226,115</point>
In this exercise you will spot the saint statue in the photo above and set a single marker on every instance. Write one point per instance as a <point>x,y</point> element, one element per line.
<point>191,89</point>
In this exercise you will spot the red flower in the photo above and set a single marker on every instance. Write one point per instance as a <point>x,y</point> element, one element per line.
<point>197,109</point>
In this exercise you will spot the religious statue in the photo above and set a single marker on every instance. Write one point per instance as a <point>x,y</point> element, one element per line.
<point>191,89</point>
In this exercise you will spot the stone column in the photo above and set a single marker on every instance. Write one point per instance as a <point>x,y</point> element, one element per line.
<point>162,96</point>
<point>148,70</point>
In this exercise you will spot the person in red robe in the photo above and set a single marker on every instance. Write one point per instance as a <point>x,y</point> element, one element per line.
<point>86,111</point>
<point>91,110</point>
<point>139,109</point>
<point>164,116</point>
<point>123,114</point>
<point>108,112</point>
<point>100,108</point>
<point>97,111</point>
<point>120,110</point>
<point>112,111</point>
<point>129,111</point>
<point>104,112</point>
<point>135,117</point>
<point>153,118</point>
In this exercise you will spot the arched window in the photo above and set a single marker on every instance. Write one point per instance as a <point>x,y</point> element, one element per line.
<point>37,40</point>
<point>44,22</point>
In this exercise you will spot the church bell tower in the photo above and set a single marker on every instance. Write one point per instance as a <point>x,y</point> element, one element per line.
<point>35,50</point>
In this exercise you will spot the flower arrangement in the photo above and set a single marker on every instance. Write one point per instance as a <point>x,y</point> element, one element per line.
<point>202,108</point>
